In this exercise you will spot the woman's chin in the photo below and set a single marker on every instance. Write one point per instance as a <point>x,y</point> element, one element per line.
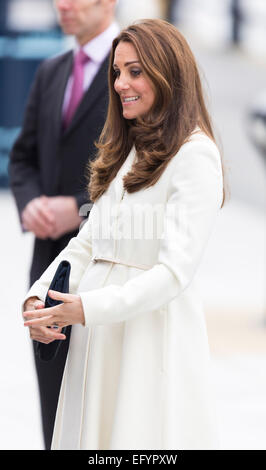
<point>129,114</point>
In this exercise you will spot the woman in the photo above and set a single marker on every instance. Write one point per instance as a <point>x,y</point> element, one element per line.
<point>137,374</point>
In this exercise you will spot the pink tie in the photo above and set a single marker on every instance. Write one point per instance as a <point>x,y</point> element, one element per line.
<point>77,86</point>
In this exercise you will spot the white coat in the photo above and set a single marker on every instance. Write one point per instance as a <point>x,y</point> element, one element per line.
<point>137,374</point>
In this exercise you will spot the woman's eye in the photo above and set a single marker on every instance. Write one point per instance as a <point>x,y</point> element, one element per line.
<point>135,73</point>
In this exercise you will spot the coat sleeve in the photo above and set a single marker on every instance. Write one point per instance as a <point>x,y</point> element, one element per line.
<point>194,199</point>
<point>78,253</point>
<point>24,171</point>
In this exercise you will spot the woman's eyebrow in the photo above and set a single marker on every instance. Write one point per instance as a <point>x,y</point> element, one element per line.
<point>128,63</point>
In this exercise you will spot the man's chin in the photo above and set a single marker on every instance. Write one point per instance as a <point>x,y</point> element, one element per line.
<point>67,28</point>
<point>68,31</point>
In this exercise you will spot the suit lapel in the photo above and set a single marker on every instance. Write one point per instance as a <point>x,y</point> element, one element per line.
<point>60,83</point>
<point>91,95</point>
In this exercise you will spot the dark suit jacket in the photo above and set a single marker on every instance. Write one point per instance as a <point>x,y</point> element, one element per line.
<point>46,160</point>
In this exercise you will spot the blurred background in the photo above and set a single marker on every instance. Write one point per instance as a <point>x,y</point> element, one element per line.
<point>228,38</point>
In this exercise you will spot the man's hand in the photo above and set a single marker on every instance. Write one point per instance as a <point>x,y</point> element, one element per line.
<point>66,216</point>
<point>41,333</point>
<point>51,217</point>
<point>37,217</point>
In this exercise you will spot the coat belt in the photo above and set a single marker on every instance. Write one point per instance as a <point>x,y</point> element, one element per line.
<point>117,261</point>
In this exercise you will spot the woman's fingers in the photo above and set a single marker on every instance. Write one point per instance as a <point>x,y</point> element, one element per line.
<point>38,304</point>
<point>33,303</point>
<point>45,335</point>
<point>48,313</point>
<point>39,313</point>
<point>60,296</point>
<point>43,320</point>
<point>68,312</point>
<point>47,320</point>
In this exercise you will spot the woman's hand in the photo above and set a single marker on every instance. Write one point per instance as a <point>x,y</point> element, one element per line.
<point>41,333</point>
<point>70,312</point>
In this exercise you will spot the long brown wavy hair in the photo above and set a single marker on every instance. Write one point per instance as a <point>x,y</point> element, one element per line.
<point>178,108</point>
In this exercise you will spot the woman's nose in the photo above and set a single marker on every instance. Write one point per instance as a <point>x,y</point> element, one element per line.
<point>121,83</point>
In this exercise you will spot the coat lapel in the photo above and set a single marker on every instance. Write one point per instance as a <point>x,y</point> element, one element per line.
<point>97,87</point>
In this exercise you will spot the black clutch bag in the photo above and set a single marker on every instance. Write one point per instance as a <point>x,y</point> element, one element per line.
<point>60,283</point>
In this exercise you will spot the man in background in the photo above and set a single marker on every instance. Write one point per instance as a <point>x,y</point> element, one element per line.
<point>64,116</point>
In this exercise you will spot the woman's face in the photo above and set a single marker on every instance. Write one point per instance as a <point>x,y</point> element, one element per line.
<point>131,83</point>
